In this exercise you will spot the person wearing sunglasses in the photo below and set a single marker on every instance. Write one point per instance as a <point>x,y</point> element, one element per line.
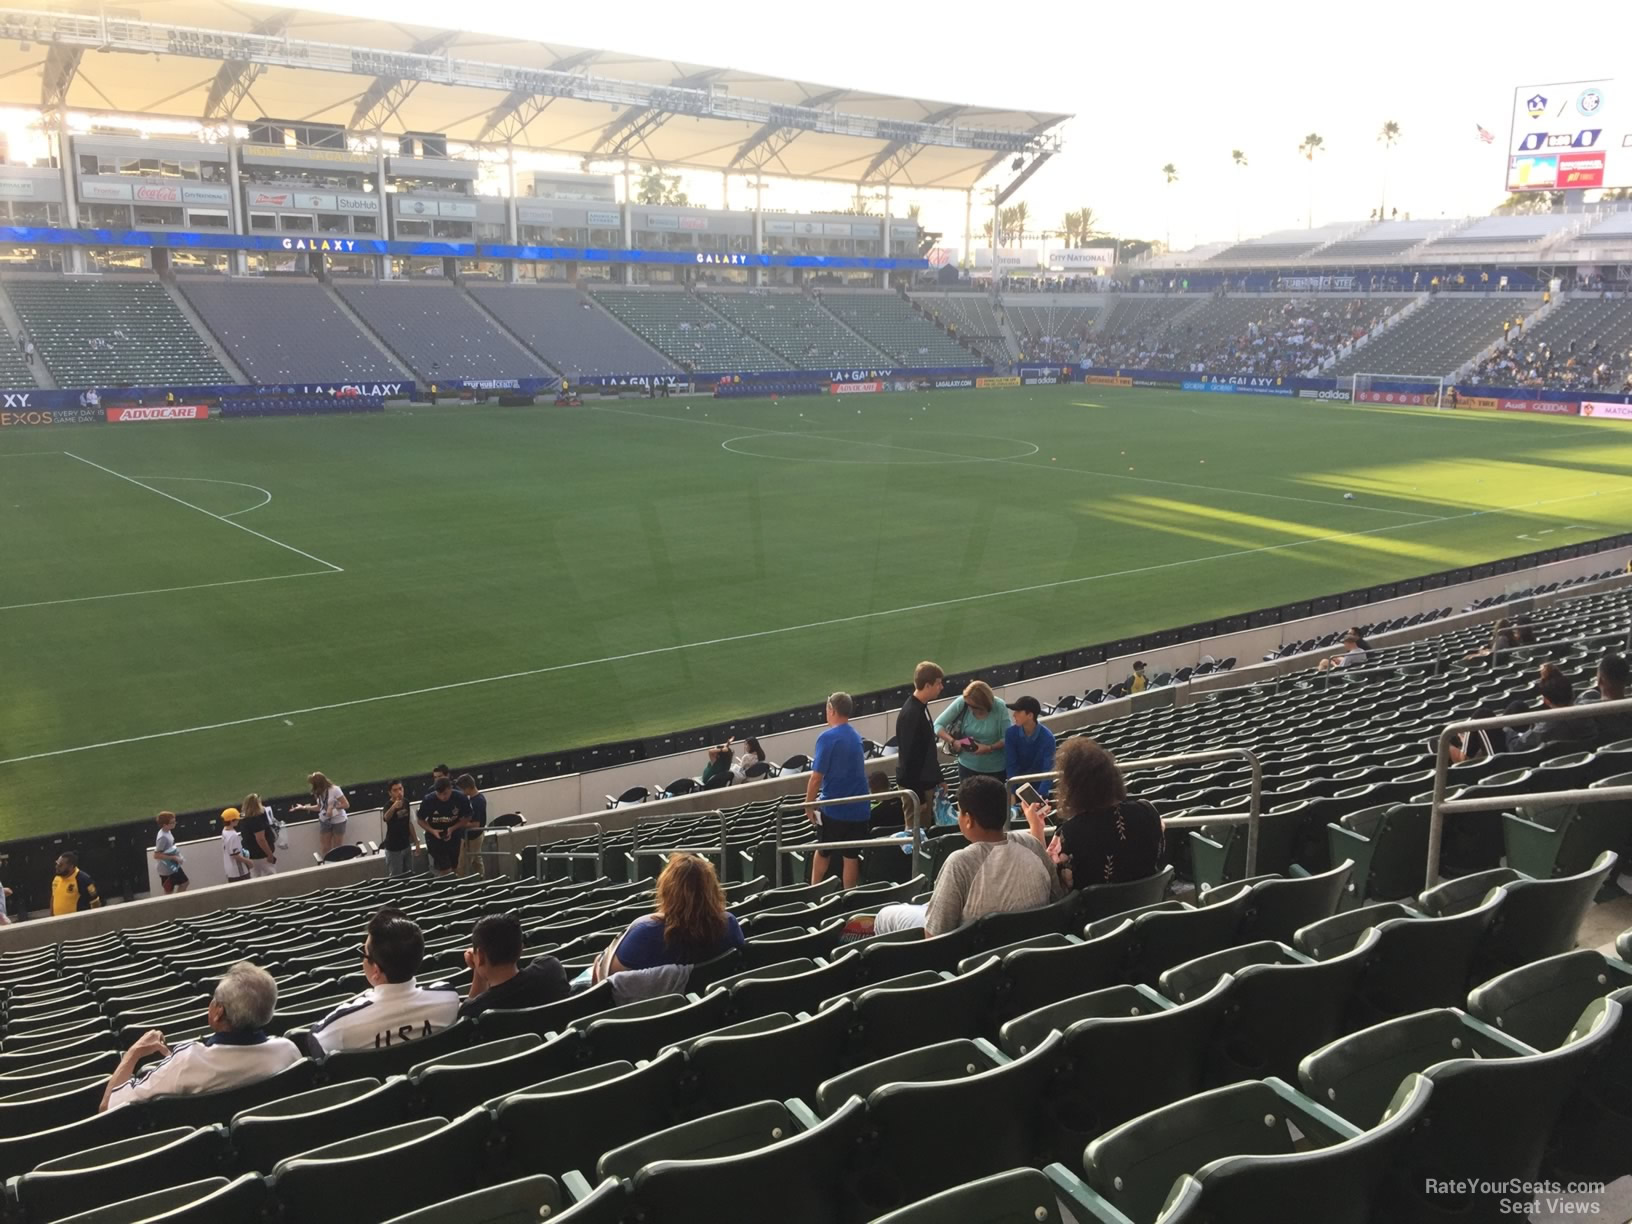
<point>395,1008</point>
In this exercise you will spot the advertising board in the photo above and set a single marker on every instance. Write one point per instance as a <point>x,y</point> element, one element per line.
<point>159,412</point>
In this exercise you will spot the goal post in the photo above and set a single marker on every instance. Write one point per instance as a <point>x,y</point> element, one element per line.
<point>1407,390</point>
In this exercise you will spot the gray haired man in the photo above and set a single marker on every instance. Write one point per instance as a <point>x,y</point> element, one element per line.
<point>238,1052</point>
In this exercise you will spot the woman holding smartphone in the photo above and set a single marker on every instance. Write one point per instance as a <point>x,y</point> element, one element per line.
<point>1105,837</point>
<point>973,725</point>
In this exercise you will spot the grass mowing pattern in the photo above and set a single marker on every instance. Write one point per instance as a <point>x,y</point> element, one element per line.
<point>622,571</point>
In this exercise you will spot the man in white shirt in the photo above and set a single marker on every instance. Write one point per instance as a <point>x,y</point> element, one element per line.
<point>395,1008</point>
<point>238,1053</point>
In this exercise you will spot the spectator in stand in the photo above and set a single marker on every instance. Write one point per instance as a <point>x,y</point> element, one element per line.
<point>395,1008</point>
<point>1106,838</point>
<point>401,838</point>
<point>496,978</point>
<point>752,757</point>
<point>973,724</point>
<point>1137,682</point>
<point>1556,694</point>
<point>838,771</point>
<point>887,815</point>
<point>172,877</point>
<point>1612,677</point>
<point>998,872</point>
<point>239,1052</point>
<point>718,772</point>
<point>5,905</point>
<point>916,768</point>
<point>444,814</point>
<point>471,847</point>
<point>255,828</point>
<point>235,864</point>
<point>690,925</point>
<point>330,804</point>
<point>72,890</point>
<point>1353,655</point>
<point>1028,746</point>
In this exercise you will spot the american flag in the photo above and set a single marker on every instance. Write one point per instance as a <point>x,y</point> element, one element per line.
<point>1484,134</point>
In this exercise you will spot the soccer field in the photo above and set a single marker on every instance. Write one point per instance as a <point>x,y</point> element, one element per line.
<point>194,611</point>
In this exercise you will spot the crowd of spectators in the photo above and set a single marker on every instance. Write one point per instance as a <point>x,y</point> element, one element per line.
<point>1540,366</point>
<point>1287,339</point>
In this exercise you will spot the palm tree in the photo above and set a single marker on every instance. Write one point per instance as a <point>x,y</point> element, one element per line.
<point>1239,159</point>
<point>1170,175</point>
<point>1080,226</point>
<point>1388,138</point>
<point>1312,144</point>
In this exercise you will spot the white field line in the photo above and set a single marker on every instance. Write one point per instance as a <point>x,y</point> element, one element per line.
<point>201,586</point>
<point>1016,462</point>
<point>768,633</point>
<point>266,496</point>
<point>210,513</point>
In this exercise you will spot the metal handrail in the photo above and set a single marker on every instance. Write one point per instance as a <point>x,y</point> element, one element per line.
<point>598,854</point>
<point>1497,803</point>
<point>909,802</point>
<point>637,852</point>
<point>1249,818</point>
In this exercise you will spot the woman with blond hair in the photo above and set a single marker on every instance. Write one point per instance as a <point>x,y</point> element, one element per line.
<point>973,727</point>
<point>330,804</point>
<point>256,835</point>
<point>691,923</point>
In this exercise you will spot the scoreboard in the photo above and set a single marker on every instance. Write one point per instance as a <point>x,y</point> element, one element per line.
<point>1576,135</point>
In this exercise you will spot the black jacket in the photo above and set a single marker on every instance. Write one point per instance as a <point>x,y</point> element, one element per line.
<point>916,768</point>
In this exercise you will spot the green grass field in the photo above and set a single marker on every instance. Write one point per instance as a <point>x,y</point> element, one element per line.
<point>194,611</point>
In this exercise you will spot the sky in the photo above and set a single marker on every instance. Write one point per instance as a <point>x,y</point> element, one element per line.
<point>1183,82</point>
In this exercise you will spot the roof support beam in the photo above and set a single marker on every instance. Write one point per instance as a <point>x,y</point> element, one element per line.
<point>61,67</point>
<point>635,122</point>
<point>774,130</point>
<point>1035,165</point>
<point>235,76</point>
<point>381,99</point>
<point>522,105</point>
<point>895,155</point>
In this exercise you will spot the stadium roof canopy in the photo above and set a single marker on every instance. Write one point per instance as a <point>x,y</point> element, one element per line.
<point>213,60</point>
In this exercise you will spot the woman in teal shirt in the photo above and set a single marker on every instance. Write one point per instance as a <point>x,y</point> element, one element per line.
<point>979,715</point>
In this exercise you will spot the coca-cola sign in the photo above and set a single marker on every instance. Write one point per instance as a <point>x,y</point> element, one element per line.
<point>158,193</point>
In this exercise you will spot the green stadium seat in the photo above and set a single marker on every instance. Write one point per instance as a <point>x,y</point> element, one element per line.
<point>1017,1196</point>
<point>522,1201</point>
<point>403,1167</point>
<point>147,1206</point>
<point>265,1134</point>
<point>95,1177</point>
<point>727,1069</point>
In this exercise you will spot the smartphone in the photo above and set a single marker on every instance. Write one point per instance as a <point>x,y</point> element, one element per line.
<point>1027,793</point>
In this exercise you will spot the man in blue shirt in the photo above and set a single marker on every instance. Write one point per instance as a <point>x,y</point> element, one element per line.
<point>1028,746</point>
<point>838,771</point>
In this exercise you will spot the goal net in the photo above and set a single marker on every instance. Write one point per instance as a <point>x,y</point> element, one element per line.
<point>1409,390</point>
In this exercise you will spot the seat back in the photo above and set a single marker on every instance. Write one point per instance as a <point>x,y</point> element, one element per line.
<point>795,992</point>
<point>1339,1183</point>
<point>1163,938</point>
<point>1421,963</point>
<point>1540,918</point>
<point>634,1038</point>
<point>1019,1195</point>
<point>789,1061</point>
<point>1033,977</point>
<point>570,1122</point>
<point>265,1134</point>
<point>447,1087</point>
<point>1103,900</point>
<point>526,1198</point>
<point>799,1180</point>
<point>889,1020</point>
<point>1120,1067</point>
<point>403,1167</point>
<point>118,1170</point>
<point>1277,908</point>
<point>984,1123</point>
<point>1541,1003</point>
<point>546,1018</point>
<point>238,1201</point>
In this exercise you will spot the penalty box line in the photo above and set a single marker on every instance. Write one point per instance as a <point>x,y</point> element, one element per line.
<point>330,566</point>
